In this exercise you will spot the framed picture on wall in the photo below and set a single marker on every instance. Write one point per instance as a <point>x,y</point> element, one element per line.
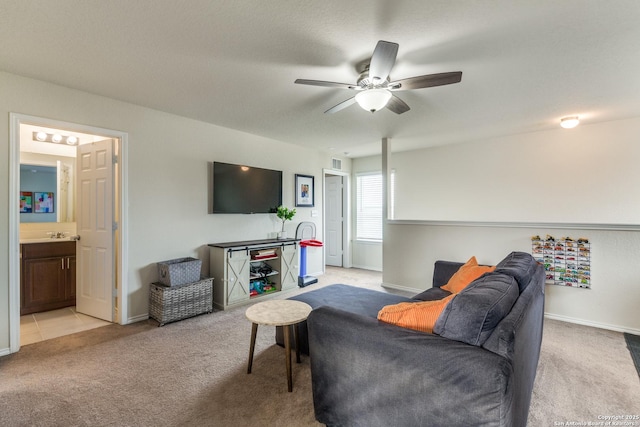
<point>43,202</point>
<point>304,191</point>
<point>26,202</point>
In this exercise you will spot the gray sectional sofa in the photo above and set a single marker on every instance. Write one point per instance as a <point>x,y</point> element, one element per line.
<point>476,369</point>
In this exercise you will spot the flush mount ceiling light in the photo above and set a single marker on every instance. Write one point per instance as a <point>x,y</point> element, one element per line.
<point>55,138</point>
<point>373,99</point>
<point>569,122</point>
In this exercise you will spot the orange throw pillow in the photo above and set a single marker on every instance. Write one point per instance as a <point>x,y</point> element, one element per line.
<point>469,272</point>
<point>421,316</point>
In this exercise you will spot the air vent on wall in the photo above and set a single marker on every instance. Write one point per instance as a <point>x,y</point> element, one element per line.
<point>336,164</point>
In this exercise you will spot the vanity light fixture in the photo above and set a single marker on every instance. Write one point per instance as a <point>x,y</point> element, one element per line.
<point>569,122</point>
<point>55,138</point>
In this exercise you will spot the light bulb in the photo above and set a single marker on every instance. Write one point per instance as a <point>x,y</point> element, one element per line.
<point>41,136</point>
<point>72,140</point>
<point>56,138</point>
<point>373,99</point>
<point>569,122</point>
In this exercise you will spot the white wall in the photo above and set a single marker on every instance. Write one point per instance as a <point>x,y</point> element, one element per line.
<point>488,198</point>
<point>411,250</point>
<point>589,174</point>
<point>167,157</point>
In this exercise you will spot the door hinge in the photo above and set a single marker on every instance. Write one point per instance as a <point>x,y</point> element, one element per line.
<point>115,159</point>
<point>114,227</point>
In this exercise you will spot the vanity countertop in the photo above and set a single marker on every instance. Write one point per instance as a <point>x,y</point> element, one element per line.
<point>45,240</point>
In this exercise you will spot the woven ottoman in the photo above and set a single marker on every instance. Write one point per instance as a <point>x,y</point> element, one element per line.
<point>172,303</point>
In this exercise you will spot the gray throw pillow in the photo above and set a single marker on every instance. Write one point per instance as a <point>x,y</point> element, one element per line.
<point>474,313</point>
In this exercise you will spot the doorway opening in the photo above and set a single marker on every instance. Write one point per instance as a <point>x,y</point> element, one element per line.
<point>58,143</point>
<point>337,248</point>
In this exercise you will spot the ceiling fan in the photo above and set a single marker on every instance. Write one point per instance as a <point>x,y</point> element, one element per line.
<point>373,85</point>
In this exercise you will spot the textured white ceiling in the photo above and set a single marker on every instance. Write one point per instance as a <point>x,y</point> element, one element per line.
<point>525,63</point>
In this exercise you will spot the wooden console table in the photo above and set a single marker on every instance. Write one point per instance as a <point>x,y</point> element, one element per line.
<point>252,269</point>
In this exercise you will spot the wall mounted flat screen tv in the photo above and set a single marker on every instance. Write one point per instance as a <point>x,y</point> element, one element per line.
<point>239,189</point>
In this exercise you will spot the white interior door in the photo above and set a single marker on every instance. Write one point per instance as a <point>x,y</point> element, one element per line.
<point>334,220</point>
<point>95,273</point>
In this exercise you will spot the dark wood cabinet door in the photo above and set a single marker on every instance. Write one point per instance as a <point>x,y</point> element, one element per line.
<point>48,277</point>
<point>44,283</point>
<point>70,281</point>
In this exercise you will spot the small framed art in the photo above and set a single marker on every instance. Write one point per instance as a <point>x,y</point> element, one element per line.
<point>26,202</point>
<point>43,202</point>
<point>304,191</point>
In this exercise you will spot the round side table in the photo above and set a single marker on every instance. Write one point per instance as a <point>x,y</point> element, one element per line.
<point>285,313</point>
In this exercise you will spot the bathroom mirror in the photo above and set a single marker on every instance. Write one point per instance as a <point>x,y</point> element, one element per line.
<point>47,191</point>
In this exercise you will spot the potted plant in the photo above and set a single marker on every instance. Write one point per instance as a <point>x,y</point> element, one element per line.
<point>285,214</point>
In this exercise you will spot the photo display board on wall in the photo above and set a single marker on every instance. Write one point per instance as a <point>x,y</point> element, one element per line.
<point>567,261</point>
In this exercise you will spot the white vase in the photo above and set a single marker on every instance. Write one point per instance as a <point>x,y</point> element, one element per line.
<point>282,235</point>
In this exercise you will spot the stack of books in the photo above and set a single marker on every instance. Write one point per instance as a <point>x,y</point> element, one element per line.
<point>264,254</point>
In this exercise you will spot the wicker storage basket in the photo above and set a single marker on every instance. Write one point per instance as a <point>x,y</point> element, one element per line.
<point>171,303</point>
<point>179,271</point>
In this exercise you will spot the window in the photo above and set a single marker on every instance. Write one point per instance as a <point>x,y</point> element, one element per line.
<point>369,206</point>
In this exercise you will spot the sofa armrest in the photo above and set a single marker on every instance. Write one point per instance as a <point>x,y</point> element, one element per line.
<point>369,373</point>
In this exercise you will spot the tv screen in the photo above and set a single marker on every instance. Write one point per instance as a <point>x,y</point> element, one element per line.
<point>245,189</point>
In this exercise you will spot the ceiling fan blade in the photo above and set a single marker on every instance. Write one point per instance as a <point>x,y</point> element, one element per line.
<point>397,105</point>
<point>326,84</point>
<point>430,80</point>
<point>382,61</point>
<point>341,106</point>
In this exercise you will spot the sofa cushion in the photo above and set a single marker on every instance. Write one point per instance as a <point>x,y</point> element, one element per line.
<point>472,314</point>
<point>519,265</point>
<point>354,299</point>
<point>432,294</point>
<point>469,272</point>
<point>420,316</point>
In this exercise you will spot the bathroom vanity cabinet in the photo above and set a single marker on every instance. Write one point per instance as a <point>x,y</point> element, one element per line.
<point>48,279</point>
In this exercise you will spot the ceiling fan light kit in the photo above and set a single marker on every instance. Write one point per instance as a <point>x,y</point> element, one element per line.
<point>373,85</point>
<point>373,99</point>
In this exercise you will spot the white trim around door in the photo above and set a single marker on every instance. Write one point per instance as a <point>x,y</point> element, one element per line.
<point>15,120</point>
<point>346,214</point>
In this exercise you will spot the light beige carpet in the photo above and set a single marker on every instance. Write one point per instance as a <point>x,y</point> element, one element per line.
<point>193,373</point>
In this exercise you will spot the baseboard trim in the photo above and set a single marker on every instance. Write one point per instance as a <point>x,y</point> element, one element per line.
<point>366,267</point>
<point>139,318</point>
<point>583,322</point>
<point>5,351</point>
<point>401,288</point>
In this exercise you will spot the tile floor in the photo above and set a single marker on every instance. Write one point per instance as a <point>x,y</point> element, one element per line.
<point>56,323</point>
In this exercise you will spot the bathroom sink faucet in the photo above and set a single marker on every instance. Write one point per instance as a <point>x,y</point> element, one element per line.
<point>57,234</point>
